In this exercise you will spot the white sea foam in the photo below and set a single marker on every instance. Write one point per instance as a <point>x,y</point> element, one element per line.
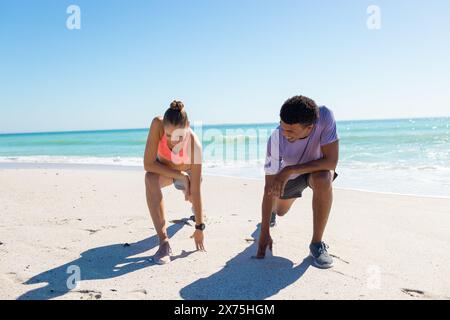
<point>413,180</point>
<point>121,161</point>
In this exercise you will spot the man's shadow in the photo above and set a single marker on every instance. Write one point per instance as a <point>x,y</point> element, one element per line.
<point>98,263</point>
<point>245,278</point>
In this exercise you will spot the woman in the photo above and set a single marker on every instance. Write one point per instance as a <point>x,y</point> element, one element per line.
<point>173,156</point>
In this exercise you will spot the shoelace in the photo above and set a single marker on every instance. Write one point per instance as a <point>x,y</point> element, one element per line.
<point>323,247</point>
<point>169,249</point>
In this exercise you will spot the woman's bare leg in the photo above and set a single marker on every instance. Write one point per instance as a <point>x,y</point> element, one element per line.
<point>153,185</point>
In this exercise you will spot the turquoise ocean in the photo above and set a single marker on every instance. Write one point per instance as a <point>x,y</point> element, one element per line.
<point>405,156</point>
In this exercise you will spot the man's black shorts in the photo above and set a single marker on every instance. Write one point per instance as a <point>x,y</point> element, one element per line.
<point>295,187</point>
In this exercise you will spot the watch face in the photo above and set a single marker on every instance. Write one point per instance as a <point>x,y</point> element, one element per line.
<point>200,226</point>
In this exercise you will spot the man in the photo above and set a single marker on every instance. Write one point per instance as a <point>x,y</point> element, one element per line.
<point>302,152</point>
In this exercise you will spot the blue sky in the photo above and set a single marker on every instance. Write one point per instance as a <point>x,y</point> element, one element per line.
<point>232,61</point>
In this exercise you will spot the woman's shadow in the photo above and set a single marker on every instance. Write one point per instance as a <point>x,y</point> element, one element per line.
<point>95,264</point>
<point>245,278</point>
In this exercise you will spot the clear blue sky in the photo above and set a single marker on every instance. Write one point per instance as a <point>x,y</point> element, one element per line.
<point>228,60</point>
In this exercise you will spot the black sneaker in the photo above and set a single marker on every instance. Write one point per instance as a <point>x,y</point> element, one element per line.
<point>321,258</point>
<point>273,220</point>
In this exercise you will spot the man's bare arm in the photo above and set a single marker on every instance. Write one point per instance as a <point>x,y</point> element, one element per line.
<point>328,162</point>
<point>266,210</point>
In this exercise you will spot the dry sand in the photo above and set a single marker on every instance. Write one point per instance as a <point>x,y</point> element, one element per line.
<point>52,219</point>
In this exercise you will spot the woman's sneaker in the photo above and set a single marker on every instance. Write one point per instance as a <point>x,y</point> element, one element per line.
<point>273,220</point>
<point>321,258</point>
<point>162,256</point>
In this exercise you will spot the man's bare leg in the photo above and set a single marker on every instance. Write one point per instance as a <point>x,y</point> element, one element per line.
<point>282,206</point>
<point>270,204</point>
<point>321,184</point>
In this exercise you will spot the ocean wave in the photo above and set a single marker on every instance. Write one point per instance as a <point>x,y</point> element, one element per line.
<point>421,179</point>
<point>393,166</point>
<point>240,163</point>
<point>125,161</point>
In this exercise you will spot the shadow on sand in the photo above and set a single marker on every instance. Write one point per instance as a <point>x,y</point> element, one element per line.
<point>98,263</point>
<point>248,279</point>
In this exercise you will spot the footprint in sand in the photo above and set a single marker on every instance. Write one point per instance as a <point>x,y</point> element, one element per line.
<point>339,258</point>
<point>142,291</point>
<point>128,222</point>
<point>109,227</point>
<point>414,293</point>
<point>343,274</point>
<point>92,231</point>
<point>13,276</point>
<point>61,222</point>
<point>89,294</point>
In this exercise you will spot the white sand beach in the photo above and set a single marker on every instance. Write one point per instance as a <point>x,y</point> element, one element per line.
<point>385,246</point>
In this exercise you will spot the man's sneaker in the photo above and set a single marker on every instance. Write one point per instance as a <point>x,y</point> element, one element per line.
<point>162,256</point>
<point>321,258</point>
<point>273,220</point>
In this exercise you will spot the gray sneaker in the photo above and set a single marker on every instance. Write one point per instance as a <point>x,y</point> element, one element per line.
<point>273,220</point>
<point>162,256</point>
<point>319,253</point>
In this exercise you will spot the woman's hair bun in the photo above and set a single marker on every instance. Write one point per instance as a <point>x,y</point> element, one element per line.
<point>176,115</point>
<point>177,105</point>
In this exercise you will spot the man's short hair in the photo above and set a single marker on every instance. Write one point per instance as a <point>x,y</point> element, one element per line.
<point>299,110</point>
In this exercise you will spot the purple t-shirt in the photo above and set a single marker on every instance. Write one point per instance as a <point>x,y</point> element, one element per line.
<point>281,153</point>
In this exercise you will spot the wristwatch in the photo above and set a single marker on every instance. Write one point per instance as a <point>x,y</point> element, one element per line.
<point>200,226</point>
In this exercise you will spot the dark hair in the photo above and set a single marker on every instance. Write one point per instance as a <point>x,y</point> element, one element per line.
<point>176,115</point>
<point>299,109</point>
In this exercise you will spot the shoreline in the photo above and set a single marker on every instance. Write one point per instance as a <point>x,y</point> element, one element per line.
<point>110,167</point>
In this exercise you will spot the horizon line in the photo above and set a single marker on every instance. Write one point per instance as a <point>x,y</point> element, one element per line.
<point>205,124</point>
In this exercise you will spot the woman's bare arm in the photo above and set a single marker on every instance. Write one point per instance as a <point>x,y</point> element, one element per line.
<point>151,151</point>
<point>195,179</point>
<point>195,190</point>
